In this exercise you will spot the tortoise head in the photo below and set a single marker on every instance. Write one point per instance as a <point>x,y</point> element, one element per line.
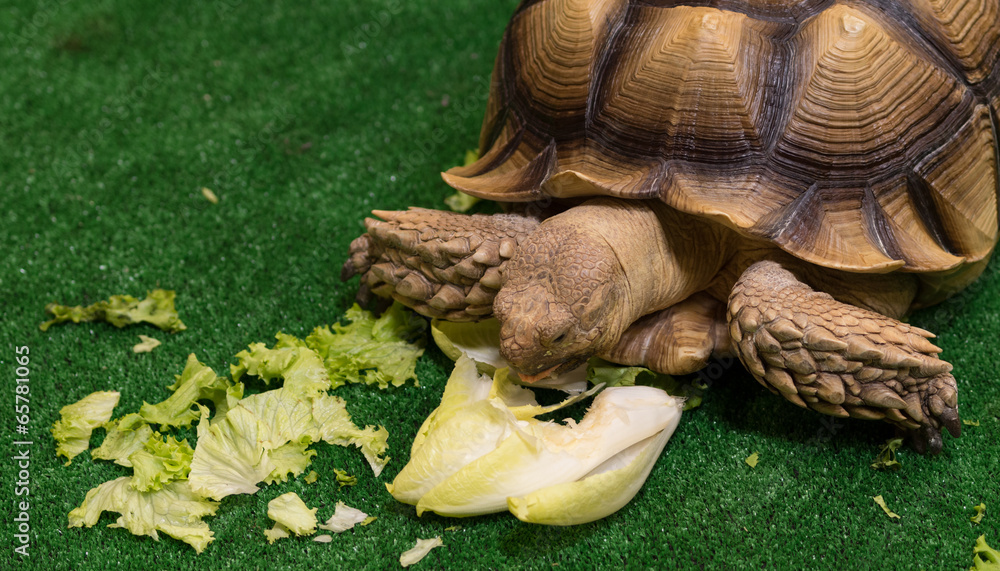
<point>559,304</point>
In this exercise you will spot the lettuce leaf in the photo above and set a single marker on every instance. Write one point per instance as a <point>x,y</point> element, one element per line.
<point>380,351</point>
<point>344,518</point>
<point>980,512</point>
<point>483,450</point>
<point>78,421</point>
<point>124,436</point>
<point>120,310</point>
<point>146,344</point>
<point>159,462</point>
<point>290,458</point>
<point>229,459</point>
<point>291,512</point>
<point>419,551</point>
<point>251,444</point>
<point>612,375</point>
<point>174,509</point>
<point>984,557</point>
<point>300,368</point>
<point>334,426</point>
<point>196,382</point>
<point>886,459</point>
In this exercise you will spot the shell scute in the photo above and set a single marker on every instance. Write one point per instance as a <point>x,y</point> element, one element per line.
<point>859,136</point>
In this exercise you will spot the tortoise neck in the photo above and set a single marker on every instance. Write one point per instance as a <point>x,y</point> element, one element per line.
<point>663,255</point>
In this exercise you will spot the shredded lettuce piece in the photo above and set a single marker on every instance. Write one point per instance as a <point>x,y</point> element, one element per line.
<point>980,512</point>
<point>380,351</point>
<point>277,532</point>
<point>229,458</point>
<point>78,421</point>
<point>480,340</point>
<point>344,518</point>
<point>146,344</point>
<point>124,436</point>
<point>301,368</point>
<point>612,375</point>
<point>159,462</point>
<point>753,459</point>
<point>881,503</point>
<point>345,479</point>
<point>120,310</point>
<point>886,459</point>
<point>174,509</point>
<point>984,557</point>
<point>311,477</point>
<point>251,444</point>
<point>291,512</point>
<point>419,551</point>
<point>196,382</point>
<point>335,427</point>
<point>291,458</point>
<point>460,201</point>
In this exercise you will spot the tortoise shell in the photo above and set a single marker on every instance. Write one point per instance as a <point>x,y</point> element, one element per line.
<point>857,135</point>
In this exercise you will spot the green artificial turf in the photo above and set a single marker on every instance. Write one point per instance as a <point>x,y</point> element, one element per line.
<point>302,118</point>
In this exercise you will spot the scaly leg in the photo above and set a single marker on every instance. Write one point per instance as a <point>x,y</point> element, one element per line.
<point>840,359</point>
<point>442,264</point>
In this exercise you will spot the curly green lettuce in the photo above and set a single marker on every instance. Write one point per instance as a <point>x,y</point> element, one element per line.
<point>159,462</point>
<point>265,436</point>
<point>157,309</point>
<point>300,368</point>
<point>78,421</point>
<point>372,350</point>
<point>174,509</point>
<point>886,459</point>
<point>196,382</point>
<point>984,557</point>
<point>124,436</point>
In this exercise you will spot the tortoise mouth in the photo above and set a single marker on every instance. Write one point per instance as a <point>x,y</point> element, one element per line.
<point>544,374</point>
<point>532,379</point>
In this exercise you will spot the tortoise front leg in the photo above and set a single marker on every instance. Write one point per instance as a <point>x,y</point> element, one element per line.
<point>441,264</point>
<point>840,359</point>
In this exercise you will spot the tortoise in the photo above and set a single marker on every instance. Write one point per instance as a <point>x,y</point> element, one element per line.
<point>780,179</point>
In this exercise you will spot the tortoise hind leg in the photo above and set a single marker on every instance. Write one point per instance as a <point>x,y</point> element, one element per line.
<point>442,264</point>
<point>841,359</point>
<point>678,340</point>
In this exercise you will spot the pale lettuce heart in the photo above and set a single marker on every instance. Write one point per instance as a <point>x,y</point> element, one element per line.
<point>483,450</point>
<point>602,492</point>
<point>542,454</point>
<point>480,341</point>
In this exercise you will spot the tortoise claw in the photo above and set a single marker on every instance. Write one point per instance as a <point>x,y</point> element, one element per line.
<point>926,440</point>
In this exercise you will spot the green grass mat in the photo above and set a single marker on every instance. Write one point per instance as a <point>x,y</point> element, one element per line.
<point>302,118</point>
